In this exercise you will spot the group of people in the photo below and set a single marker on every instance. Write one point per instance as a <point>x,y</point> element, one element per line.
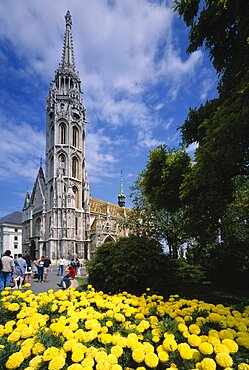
<point>14,268</point>
<point>42,266</point>
<point>20,270</point>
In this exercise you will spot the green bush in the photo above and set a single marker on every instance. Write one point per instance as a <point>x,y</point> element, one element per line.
<point>132,264</point>
<point>188,274</point>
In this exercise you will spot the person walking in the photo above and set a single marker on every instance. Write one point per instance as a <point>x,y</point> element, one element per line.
<point>41,269</point>
<point>47,263</point>
<point>7,270</point>
<point>20,266</point>
<point>61,264</point>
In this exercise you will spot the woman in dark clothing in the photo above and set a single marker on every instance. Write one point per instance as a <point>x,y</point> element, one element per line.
<point>28,271</point>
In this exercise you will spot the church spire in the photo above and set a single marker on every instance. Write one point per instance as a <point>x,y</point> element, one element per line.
<point>121,196</point>
<point>67,61</point>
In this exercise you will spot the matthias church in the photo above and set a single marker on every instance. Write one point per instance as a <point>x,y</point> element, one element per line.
<point>60,217</point>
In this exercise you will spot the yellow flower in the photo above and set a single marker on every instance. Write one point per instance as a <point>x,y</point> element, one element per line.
<point>185,351</point>
<point>75,367</point>
<point>138,355</point>
<point>163,356</point>
<point>194,340</point>
<point>182,327</point>
<point>116,367</point>
<point>196,355</point>
<point>112,359</point>
<point>231,344</point>
<point>208,364</point>
<point>109,323</point>
<point>35,362</point>
<point>14,336</point>
<point>243,366</point>
<point>56,363</point>
<point>194,329</point>
<point>221,348</point>
<point>88,361</point>
<point>50,353</point>
<point>77,355</point>
<point>151,360</point>
<point>13,307</point>
<point>117,351</point>
<point>26,351</point>
<point>38,348</point>
<point>224,359</point>
<point>14,361</point>
<point>206,348</point>
<point>170,344</point>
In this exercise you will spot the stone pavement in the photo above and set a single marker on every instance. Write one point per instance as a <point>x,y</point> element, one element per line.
<point>53,280</point>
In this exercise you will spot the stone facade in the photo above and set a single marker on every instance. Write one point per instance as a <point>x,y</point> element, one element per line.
<point>60,217</point>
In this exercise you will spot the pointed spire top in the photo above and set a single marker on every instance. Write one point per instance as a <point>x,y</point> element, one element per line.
<point>68,19</point>
<point>67,61</point>
<point>41,161</point>
<point>121,184</point>
<point>121,196</point>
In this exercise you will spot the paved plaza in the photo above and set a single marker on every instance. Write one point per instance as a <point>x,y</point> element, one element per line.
<point>53,280</point>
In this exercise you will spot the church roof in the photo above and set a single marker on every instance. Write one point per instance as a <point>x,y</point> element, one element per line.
<point>102,207</point>
<point>12,218</point>
<point>40,178</point>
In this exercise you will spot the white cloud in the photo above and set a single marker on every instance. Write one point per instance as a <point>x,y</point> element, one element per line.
<point>21,146</point>
<point>116,49</point>
<point>123,51</point>
<point>192,148</point>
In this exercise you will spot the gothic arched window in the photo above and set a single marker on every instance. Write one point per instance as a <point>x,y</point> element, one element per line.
<point>52,136</point>
<point>52,167</point>
<point>62,133</point>
<point>75,167</point>
<point>62,163</point>
<point>76,225</point>
<point>51,197</point>
<point>75,136</point>
<point>76,196</point>
<point>38,227</point>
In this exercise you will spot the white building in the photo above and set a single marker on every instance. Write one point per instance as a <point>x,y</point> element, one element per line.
<point>11,233</point>
<point>60,217</point>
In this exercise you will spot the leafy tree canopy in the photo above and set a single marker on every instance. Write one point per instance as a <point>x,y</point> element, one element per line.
<point>160,182</point>
<point>219,127</point>
<point>222,27</point>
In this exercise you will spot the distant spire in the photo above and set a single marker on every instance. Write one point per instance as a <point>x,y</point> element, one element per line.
<point>121,196</point>
<point>67,61</point>
<point>41,161</point>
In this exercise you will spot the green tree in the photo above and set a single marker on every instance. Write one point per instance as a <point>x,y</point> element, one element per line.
<point>162,178</point>
<point>220,127</point>
<point>159,211</point>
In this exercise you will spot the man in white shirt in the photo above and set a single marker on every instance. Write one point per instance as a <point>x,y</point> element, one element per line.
<point>7,269</point>
<point>61,264</point>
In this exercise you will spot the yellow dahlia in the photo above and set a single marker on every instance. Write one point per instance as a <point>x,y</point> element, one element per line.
<point>151,360</point>
<point>208,364</point>
<point>14,361</point>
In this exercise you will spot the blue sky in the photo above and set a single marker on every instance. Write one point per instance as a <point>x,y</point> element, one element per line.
<point>138,84</point>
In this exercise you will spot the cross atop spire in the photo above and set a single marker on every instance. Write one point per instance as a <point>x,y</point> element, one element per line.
<point>67,61</point>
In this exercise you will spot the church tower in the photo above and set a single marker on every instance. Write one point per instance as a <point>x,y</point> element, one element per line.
<point>60,218</point>
<point>67,188</point>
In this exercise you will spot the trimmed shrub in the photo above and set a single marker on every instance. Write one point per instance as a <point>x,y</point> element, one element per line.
<point>132,264</point>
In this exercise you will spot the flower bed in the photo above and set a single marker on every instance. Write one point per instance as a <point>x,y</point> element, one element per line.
<point>92,330</point>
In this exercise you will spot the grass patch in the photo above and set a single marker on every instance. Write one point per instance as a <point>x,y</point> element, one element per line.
<point>83,282</point>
